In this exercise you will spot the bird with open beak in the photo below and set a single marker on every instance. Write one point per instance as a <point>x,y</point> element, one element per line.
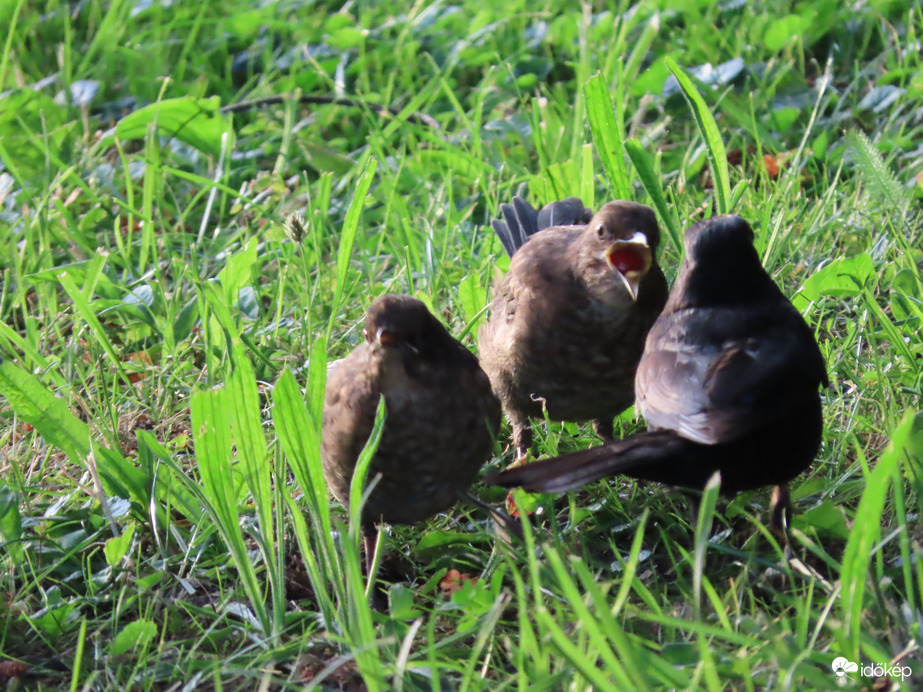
<point>569,319</point>
<point>441,416</point>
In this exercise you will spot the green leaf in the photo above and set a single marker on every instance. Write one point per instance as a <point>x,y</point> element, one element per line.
<point>346,38</point>
<point>38,407</point>
<point>782,32</point>
<point>473,298</point>
<point>605,637</point>
<point>438,540</point>
<point>839,278</point>
<point>53,620</point>
<point>466,166</point>
<point>708,128</point>
<point>81,272</point>
<point>10,523</point>
<point>325,160</point>
<point>401,603</point>
<point>587,177</point>
<point>238,270</point>
<point>299,435</point>
<point>135,634</point>
<point>185,320</point>
<point>248,302</point>
<point>827,518</point>
<point>85,310</point>
<point>247,433</point>
<point>608,127</point>
<point>169,481</point>
<point>197,122</point>
<point>906,299</point>
<point>117,546</point>
<point>820,145</point>
<point>681,654</point>
<point>784,119</point>
<point>639,52</point>
<point>652,79</point>
<point>317,380</point>
<point>30,124</point>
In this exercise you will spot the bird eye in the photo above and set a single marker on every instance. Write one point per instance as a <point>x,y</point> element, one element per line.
<point>601,232</point>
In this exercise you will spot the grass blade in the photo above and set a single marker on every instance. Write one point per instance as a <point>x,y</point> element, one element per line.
<point>708,128</point>
<point>651,182</point>
<point>348,236</point>
<point>357,487</point>
<point>212,412</point>
<point>299,436</point>
<point>36,405</point>
<point>702,533</point>
<point>608,128</point>
<point>616,665</point>
<point>865,535</point>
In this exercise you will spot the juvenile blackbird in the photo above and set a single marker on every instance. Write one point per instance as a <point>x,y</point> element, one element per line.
<point>568,321</point>
<point>728,382</point>
<point>441,415</point>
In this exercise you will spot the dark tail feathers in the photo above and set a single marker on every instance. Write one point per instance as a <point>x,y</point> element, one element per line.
<point>521,220</point>
<point>661,456</point>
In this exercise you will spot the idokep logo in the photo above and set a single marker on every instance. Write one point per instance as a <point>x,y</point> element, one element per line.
<point>842,665</point>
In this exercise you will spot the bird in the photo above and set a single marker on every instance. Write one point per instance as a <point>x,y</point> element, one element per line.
<point>729,381</point>
<point>568,320</point>
<point>441,416</point>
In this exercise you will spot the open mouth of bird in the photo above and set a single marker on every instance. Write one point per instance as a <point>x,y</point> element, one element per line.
<point>629,257</point>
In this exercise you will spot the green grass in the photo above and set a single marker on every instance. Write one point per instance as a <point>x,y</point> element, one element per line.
<point>162,513</point>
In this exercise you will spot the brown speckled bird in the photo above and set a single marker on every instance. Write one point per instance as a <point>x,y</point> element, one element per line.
<point>441,415</point>
<point>569,319</point>
<point>728,382</point>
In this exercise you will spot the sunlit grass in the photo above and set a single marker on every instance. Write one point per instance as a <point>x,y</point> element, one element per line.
<point>162,513</point>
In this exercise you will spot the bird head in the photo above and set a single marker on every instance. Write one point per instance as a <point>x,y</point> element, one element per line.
<point>620,240</point>
<point>721,267</point>
<point>404,326</point>
<point>719,237</point>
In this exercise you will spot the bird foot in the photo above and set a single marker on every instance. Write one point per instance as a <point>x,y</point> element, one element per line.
<point>522,440</point>
<point>522,457</point>
<point>780,512</point>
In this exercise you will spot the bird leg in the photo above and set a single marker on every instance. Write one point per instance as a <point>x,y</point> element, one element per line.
<point>780,512</point>
<point>604,429</point>
<point>522,439</point>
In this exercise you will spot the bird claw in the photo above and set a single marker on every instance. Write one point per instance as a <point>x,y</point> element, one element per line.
<point>522,458</point>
